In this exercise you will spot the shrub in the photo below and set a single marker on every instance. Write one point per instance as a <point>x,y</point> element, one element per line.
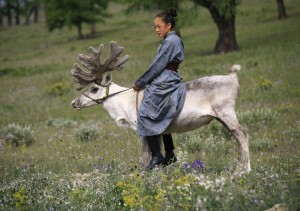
<point>264,84</point>
<point>58,123</point>
<point>58,89</point>
<point>88,132</point>
<point>18,135</point>
<point>258,117</point>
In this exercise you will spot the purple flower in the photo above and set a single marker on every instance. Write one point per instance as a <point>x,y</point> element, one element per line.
<point>256,201</point>
<point>186,165</point>
<point>197,165</point>
<point>95,166</point>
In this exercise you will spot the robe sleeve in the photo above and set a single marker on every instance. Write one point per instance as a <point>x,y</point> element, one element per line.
<point>163,57</point>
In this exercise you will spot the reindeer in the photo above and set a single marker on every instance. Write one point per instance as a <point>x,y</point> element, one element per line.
<point>207,98</point>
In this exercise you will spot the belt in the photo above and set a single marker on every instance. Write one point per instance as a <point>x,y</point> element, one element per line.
<point>173,66</point>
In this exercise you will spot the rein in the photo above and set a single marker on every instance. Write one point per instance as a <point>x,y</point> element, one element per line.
<point>101,100</point>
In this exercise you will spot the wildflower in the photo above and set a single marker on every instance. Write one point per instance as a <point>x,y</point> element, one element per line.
<point>256,201</point>
<point>186,165</point>
<point>95,166</point>
<point>197,165</point>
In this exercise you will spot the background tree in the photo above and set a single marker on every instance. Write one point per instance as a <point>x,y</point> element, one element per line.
<point>156,5</point>
<point>8,11</point>
<point>74,13</point>
<point>223,13</point>
<point>32,8</point>
<point>17,11</point>
<point>281,9</point>
<point>1,13</point>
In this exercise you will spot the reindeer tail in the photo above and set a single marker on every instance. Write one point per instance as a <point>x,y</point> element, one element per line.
<point>235,68</point>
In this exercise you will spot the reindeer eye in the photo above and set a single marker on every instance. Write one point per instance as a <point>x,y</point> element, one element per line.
<point>94,90</point>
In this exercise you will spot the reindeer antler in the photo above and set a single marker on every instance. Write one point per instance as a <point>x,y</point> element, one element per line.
<point>95,67</point>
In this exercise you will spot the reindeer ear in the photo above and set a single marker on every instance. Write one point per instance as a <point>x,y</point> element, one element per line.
<point>106,78</point>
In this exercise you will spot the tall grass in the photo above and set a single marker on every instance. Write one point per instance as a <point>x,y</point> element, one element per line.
<point>71,165</point>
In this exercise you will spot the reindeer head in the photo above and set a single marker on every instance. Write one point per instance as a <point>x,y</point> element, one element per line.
<point>96,73</point>
<point>93,68</point>
<point>95,94</point>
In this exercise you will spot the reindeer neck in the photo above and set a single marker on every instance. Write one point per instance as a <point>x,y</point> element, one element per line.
<point>120,106</point>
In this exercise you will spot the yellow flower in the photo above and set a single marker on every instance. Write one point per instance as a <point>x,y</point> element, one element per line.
<point>20,198</point>
<point>182,181</point>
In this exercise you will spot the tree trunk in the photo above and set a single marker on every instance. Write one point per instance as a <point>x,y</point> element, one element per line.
<point>8,13</point>
<point>1,20</point>
<point>17,11</point>
<point>226,39</point>
<point>281,9</point>
<point>36,14</point>
<point>35,11</point>
<point>1,14</point>
<point>79,30</point>
<point>226,26</point>
<point>93,29</point>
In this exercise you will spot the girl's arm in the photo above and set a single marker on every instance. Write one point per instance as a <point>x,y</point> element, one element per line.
<point>164,57</point>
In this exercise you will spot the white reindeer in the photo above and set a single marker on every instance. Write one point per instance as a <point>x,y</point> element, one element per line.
<point>207,98</point>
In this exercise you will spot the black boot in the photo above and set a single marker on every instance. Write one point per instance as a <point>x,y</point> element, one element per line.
<point>169,158</point>
<point>169,147</point>
<point>157,157</point>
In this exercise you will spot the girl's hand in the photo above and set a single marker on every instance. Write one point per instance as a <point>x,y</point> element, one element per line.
<point>135,88</point>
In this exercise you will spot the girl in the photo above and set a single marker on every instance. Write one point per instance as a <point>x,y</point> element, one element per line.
<point>164,91</point>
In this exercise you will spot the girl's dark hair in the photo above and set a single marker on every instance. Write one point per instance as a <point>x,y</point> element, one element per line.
<point>168,16</point>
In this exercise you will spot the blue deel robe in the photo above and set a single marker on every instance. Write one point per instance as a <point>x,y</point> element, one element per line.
<point>164,92</point>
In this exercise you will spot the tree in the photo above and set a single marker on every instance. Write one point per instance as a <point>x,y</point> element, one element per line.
<point>74,13</point>
<point>150,5</point>
<point>8,12</point>
<point>32,8</point>
<point>1,13</point>
<point>223,13</point>
<point>281,9</point>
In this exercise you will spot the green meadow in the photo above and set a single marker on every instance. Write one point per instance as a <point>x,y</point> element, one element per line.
<point>53,157</point>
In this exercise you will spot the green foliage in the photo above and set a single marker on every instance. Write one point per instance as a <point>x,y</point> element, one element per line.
<point>23,71</point>
<point>58,89</point>
<point>183,186</point>
<point>20,197</point>
<point>263,144</point>
<point>258,118</point>
<point>88,132</point>
<point>134,5</point>
<point>61,122</point>
<point>264,84</point>
<point>74,13</point>
<point>18,135</point>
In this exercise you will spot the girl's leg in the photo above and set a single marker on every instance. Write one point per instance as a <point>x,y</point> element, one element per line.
<point>169,147</point>
<point>157,157</point>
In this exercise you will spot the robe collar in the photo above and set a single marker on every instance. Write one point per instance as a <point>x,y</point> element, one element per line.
<point>169,33</point>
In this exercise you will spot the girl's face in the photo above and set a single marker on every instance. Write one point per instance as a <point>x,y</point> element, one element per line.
<point>161,28</point>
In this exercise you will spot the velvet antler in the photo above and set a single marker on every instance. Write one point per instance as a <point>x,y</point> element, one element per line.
<point>94,66</point>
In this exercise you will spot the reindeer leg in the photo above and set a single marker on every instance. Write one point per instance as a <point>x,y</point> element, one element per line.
<point>230,121</point>
<point>146,153</point>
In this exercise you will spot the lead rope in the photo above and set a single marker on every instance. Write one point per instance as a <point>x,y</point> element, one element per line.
<point>137,102</point>
<point>107,95</point>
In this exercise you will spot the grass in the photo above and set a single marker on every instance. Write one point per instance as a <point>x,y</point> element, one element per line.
<point>63,170</point>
